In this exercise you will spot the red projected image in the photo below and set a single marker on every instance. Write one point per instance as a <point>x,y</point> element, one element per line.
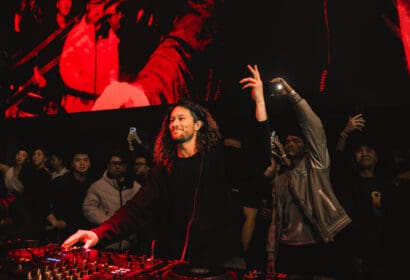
<point>63,56</point>
<point>108,54</point>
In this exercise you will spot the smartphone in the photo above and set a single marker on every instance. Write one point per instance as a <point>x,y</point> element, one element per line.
<point>133,130</point>
<point>276,88</point>
<point>273,134</point>
<point>272,138</point>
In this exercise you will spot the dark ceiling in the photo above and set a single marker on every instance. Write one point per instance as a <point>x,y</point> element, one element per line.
<point>288,38</point>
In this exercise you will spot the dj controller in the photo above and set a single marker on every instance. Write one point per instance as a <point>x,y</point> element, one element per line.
<point>52,262</point>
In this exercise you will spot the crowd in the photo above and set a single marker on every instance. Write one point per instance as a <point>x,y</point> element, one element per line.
<point>287,201</point>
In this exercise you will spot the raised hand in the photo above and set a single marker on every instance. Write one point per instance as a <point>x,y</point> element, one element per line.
<point>357,122</point>
<point>255,83</point>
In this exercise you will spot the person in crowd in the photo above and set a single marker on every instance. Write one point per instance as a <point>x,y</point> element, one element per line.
<point>235,153</point>
<point>57,165</point>
<point>398,243</point>
<point>280,153</point>
<point>141,167</point>
<point>175,67</point>
<point>89,58</point>
<point>354,124</point>
<point>250,232</point>
<point>306,214</point>
<point>11,185</point>
<point>257,210</point>
<point>140,156</point>
<point>140,163</point>
<point>30,208</point>
<point>109,193</point>
<point>362,190</point>
<point>187,190</point>
<point>11,173</point>
<point>135,143</point>
<point>67,195</point>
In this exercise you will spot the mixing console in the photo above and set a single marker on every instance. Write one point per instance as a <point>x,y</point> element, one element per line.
<point>52,262</point>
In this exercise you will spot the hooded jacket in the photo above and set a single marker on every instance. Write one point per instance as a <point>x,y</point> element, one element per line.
<point>105,197</point>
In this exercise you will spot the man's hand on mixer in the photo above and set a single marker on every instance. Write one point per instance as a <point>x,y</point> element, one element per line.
<point>88,237</point>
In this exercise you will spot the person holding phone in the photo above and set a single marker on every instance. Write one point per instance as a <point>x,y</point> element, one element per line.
<point>140,153</point>
<point>306,214</point>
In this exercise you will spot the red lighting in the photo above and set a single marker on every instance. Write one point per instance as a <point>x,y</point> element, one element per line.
<point>322,83</point>
<point>403,9</point>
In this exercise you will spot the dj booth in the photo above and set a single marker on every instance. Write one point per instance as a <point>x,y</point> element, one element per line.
<point>52,262</point>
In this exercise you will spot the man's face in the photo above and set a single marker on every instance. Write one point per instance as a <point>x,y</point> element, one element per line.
<point>140,166</point>
<point>55,162</point>
<point>117,167</point>
<point>38,158</point>
<point>64,7</point>
<point>294,146</point>
<point>365,157</point>
<point>182,125</point>
<point>21,157</point>
<point>81,163</point>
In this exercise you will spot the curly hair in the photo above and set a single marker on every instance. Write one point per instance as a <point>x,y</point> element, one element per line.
<point>208,136</point>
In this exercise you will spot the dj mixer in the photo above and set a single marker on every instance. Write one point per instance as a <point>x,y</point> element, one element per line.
<point>52,262</point>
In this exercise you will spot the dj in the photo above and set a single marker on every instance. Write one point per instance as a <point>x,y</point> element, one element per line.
<point>187,197</point>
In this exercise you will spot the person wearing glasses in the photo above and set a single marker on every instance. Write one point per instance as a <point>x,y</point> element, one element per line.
<point>109,193</point>
<point>140,154</point>
<point>141,168</point>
